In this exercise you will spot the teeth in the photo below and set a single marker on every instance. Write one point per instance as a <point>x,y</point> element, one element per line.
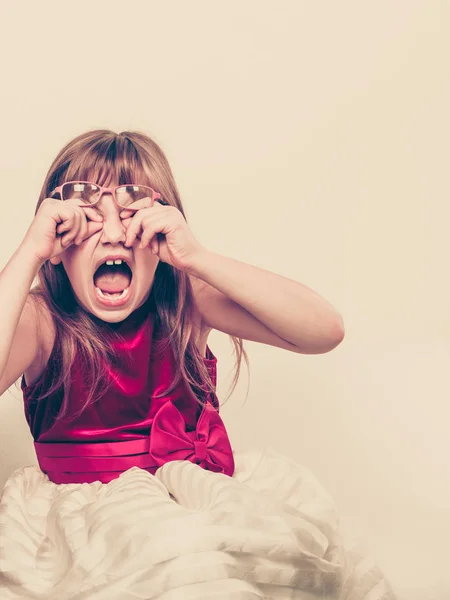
<point>114,295</point>
<point>114,262</point>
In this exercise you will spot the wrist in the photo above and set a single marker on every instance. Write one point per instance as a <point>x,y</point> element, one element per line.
<point>198,262</point>
<point>28,253</point>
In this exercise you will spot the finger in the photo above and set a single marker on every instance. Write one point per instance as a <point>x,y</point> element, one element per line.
<point>154,246</point>
<point>62,227</point>
<point>137,205</point>
<point>126,222</point>
<point>66,224</point>
<point>82,231</point>
<point>87,210</point>
<point>133,229</point>
<point>130,237</point>
<point>153,224</point>
<point>68,219</point>
<point>91,228</point>
<point>148,235</point>
<point>92,214</point>
<point>65,240</point>
<point>69,236</point>
<point>133,208</point>
<point>78,229</point>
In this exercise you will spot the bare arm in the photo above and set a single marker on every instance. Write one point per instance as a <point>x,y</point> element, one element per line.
<point>258,305</point>
<point>19,343</point>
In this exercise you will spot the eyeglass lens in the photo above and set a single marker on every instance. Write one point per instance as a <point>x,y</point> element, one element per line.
<point>89,193</point>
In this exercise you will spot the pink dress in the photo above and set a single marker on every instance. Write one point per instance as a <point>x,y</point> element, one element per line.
<point>153,502</point>
<point>128,426</point>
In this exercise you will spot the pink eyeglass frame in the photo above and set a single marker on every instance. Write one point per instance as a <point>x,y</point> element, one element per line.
<point>111,190</point>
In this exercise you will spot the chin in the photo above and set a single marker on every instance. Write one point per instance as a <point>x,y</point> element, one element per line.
<point>116,317</point>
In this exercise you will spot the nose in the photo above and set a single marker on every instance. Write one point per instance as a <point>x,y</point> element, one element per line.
<point>114,231</point>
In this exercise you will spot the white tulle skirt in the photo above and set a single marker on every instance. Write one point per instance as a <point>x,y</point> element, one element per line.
<point>270,531</point>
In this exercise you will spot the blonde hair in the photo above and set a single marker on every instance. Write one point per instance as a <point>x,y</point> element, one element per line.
<point>101,156</point>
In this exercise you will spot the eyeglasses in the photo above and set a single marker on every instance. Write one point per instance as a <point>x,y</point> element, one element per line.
<point>90,193</point>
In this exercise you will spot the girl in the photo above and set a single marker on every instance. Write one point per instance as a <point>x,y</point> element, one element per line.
<point>119,383</point>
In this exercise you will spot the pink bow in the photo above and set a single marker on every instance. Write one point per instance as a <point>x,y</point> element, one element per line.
<point>207,446</point>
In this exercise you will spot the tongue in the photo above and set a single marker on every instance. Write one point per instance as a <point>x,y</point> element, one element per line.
<point>112,280</point>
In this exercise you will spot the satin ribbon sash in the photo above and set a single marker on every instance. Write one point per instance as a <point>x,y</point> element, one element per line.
<point>207,446</point>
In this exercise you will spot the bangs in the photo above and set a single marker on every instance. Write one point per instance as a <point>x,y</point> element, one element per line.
<point>107,162</point>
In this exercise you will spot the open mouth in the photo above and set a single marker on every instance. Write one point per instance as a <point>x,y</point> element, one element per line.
<point>112,281</point>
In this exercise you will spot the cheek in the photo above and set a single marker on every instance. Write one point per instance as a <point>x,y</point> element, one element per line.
<point>74,277</point>
<point>75,265</point>
<point>145,269</point>
<point>145,256</point>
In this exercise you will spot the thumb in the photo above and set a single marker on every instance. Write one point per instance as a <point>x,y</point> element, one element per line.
<point>92,214</point>
<point>94,227</point>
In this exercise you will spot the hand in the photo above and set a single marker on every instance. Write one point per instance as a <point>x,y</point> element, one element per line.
<point>58,224</point>
<point>164,229</point>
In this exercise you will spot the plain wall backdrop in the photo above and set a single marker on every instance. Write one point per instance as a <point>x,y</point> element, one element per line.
<point>307,138</point>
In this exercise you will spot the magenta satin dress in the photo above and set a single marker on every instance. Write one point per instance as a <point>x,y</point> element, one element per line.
<point>127,426</point>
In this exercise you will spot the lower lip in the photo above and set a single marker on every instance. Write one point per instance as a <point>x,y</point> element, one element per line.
<point>115,302</point>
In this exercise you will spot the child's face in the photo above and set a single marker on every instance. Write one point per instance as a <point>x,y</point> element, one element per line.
<point>80,261</point>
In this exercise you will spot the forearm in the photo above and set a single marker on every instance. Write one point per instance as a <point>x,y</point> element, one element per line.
<point>16,279</point>
<point>288,308</point>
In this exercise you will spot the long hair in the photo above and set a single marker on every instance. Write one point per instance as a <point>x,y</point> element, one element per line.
<point>101,156</point>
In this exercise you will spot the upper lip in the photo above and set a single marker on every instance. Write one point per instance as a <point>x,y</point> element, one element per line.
<point>125,258</point>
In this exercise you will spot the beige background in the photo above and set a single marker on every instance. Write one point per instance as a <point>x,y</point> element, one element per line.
<point>309,138</point>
